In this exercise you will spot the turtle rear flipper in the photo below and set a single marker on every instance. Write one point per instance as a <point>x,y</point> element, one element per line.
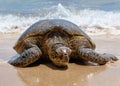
<point>27,57</point>
<point>90,55</point>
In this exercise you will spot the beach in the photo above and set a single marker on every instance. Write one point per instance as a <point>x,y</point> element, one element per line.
<point>46,74</point>
<point>100,19</point>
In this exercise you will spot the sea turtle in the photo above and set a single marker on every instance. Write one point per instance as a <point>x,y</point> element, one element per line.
<point>59,40</point>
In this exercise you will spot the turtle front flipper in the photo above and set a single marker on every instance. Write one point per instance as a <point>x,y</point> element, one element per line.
<point>90,55</point>
<point>26,58</point>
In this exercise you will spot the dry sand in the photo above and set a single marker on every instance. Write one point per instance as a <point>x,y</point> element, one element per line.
<point>48,75</point>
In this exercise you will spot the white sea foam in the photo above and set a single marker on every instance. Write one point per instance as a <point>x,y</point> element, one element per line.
<point>92,21</point>
<point>13,23</point>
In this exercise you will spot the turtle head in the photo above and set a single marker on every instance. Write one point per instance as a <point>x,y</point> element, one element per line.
<point>61,56</point>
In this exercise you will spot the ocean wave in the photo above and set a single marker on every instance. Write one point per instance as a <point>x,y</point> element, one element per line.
<point>14,23</point>
<point>91,21</point>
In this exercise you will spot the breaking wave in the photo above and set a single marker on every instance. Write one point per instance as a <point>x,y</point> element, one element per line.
<point>92,21</point>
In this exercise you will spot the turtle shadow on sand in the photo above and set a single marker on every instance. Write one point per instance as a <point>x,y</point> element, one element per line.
<point>49,64</point>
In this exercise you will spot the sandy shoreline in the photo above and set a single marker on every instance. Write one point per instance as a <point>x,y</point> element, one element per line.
<point>47,75</point>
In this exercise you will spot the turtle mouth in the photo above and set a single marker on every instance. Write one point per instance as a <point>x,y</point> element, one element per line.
<point>61,62</point>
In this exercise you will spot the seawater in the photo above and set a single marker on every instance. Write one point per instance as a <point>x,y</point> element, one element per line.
<point>94,17</point>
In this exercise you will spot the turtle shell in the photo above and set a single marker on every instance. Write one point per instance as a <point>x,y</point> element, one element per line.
<point>42,27</point>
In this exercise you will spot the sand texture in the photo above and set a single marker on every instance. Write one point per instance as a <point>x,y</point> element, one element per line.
<point>46,74</point>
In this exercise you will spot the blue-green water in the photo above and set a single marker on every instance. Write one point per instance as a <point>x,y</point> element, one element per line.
<point>91,15</point>
<point>36,6</point>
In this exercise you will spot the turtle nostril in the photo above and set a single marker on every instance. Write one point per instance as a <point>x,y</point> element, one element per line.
<point>65,54</point>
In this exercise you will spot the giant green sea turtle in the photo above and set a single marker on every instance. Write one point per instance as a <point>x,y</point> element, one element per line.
<point>58,39</point>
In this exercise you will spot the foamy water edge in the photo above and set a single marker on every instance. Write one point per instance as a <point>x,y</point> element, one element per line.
<point>94,22</point>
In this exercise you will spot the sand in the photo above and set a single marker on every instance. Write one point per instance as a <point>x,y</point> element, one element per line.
<point>47,75</point>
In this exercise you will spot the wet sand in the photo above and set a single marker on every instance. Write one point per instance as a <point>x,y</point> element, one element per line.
<point>48,75</point>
